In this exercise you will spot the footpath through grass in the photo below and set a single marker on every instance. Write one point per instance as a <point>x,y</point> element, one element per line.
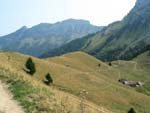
<point>33,99</point>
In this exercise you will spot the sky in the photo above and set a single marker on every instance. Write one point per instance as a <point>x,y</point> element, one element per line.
<point>17,13</point>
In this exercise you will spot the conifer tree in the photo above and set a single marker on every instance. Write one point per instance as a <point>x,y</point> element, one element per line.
<point>131,111</point>
<point>30,66</point>
<point>48,79</point>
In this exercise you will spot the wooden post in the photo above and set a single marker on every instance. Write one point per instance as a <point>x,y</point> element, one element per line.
<point>83,94</point>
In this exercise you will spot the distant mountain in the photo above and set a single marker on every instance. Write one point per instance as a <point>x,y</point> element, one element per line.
<point>43,37</point>
<point>120,40</point>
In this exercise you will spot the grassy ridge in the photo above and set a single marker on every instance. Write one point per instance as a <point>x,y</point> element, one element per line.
<point>77,71</point>
<point>101,82</point>
<point>36,97</point>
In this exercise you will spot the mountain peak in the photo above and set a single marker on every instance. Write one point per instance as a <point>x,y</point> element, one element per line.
<point>73,21</point>
<point>23,27</point>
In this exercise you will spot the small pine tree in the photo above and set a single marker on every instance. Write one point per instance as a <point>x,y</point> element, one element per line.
<point>131,111</point>
<point>48,79</point>
<point>110,64</point>
<point>99,65</point>
<point>30,66</point>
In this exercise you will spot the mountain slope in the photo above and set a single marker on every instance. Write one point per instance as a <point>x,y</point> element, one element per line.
<point>120,40</point>
<point>74,72</point>
<point>43,37</point>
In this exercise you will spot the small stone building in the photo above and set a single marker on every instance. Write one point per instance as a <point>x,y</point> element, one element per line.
<point>131,83</point>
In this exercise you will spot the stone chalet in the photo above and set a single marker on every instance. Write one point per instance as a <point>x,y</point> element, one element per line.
<point>131,83</point>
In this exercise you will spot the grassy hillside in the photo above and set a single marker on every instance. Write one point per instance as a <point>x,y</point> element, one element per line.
<point>138,69</point>
<point>74,72</point>
<point>36,97</point>
<point>144,61</point>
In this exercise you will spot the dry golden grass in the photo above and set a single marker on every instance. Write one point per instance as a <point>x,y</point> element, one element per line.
<point>74,72</point>
<point>66,101</point>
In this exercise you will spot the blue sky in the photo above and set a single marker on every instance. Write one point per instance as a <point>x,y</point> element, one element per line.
<point>17,13</point>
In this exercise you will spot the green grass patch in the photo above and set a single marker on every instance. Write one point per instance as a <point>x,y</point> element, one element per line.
<point>33,99</point>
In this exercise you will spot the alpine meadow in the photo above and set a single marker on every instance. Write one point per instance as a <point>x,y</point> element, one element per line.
<point>71,65</point>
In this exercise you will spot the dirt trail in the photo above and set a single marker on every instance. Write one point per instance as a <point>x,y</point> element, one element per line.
<point>7,104</point>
